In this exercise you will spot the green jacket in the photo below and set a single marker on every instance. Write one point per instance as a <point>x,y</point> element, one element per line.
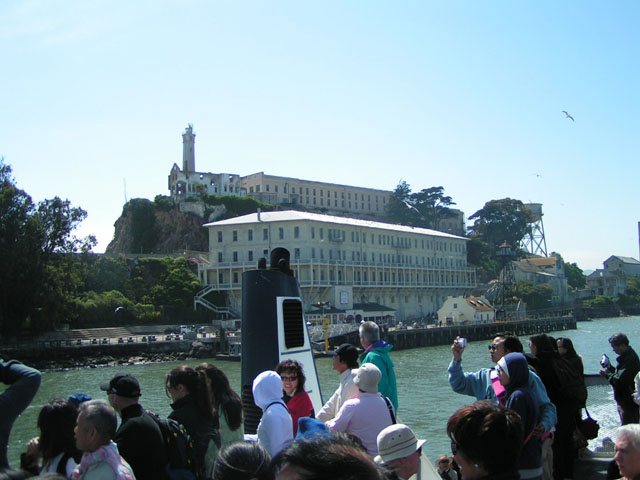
<point>379,356</point>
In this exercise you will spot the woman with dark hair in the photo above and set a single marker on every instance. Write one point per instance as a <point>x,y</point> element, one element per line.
<point>566,351</point>
<point>546,354</point>
<point>227,410</point>
<point>243,461</point>
<point>193,409</point>
<point>294,395</point>
<point>486,440</point>
<point>56,444</point>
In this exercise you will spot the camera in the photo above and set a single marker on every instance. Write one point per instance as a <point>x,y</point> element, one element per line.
<point>462,342</point>
<point>604,361</point>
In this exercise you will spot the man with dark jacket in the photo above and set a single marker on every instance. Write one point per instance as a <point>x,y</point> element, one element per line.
<point>139,438</point>
<point>23,384</point>
<point>621,378</point>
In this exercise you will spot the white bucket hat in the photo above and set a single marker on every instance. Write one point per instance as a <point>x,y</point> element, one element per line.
<point>396,441</point>
<point>367,377</point>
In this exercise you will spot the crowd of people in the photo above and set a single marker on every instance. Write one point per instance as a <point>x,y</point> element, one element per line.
<point>520,426</point>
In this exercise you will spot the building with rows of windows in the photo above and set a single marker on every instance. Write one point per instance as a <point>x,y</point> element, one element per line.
<point>347,264</point>
<point>286,192</point>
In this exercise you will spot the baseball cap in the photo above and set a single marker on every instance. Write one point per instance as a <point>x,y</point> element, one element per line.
<point>123,385</point>
<point>347,353</point>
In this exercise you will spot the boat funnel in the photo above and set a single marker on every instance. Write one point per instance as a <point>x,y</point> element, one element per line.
<point>273,330</point>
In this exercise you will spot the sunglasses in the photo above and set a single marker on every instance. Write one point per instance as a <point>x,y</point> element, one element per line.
<point>286,378</point>
<point>492,348</point>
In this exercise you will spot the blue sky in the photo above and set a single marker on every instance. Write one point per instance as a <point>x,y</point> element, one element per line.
<point>463,94</point>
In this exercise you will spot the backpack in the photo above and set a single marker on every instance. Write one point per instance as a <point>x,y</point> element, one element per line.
<point>182,463</point>
<point>572,387</point>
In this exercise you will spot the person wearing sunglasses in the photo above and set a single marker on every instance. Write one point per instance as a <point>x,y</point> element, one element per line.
<point>485,385</point>
<point>293,394</point>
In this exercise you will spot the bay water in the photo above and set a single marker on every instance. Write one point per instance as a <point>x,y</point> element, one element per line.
<point>425,397</point>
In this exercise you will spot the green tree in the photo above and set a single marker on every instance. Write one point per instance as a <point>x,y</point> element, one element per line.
<point>37,280</point>
<point>425,209</point>
<point>601,307</point>
<point>433,206</point>
<point>399,208</point>
<point>103,273</point>
<point>505,220</point>
<point>535,296</point>
<point>575,277</point>
<point>144,230</point>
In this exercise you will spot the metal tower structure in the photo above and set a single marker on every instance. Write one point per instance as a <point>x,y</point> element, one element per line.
<point>534,242</point>
<point>506,280</point>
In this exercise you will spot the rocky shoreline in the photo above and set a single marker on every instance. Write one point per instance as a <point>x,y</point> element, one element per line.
<point>63,362</point>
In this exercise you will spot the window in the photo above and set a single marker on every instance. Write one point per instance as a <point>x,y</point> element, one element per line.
<point>265,234</point>
<point>235,277</point>
<point>220,278</point>
<point>265,252</point>
<point>219,257</point>
<point>313,252</point>
<point>276,188</point>
<point>313,232</point>
<point>250,255</point>
<point>235,235</point>
<point>250,235</point>
<point>235,256</point>
<point>281,233</point>
<point>219,237</point>
<point>296,232</point>
<point>267,187</point>
<point>257,188</point>
<point>296,254</point>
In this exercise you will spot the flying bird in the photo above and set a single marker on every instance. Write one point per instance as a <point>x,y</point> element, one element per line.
<point>568,116</point>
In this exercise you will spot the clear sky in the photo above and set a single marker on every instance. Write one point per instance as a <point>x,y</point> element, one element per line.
<point>463,94</point>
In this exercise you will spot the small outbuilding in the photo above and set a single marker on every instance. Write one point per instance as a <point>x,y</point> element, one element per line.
<point>458,310</point>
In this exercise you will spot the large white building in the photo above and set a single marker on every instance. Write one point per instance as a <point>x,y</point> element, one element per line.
<point>343,261</point>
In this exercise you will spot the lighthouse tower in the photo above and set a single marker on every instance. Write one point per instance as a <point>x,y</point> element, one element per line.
<point>188,154</point>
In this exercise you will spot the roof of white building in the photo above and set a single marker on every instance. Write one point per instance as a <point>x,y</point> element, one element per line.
<point>479,304</point>
<point>293,215</point>
<point>630,260</point>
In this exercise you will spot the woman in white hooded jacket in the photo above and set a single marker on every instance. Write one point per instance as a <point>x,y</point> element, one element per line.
<point>275,429</point>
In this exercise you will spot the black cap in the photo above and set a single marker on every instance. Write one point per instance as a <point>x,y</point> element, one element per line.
<point>123,385</point>
<point>347,353</point>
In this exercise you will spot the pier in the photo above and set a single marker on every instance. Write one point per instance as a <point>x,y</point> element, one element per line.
<point>403,339</point>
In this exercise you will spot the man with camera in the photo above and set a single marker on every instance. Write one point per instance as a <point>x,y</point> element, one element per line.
<point>484,384</point>
<point>621,377</point>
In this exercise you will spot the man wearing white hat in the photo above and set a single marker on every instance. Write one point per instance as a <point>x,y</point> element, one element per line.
<point>400,451</point>
<point>366,414</point>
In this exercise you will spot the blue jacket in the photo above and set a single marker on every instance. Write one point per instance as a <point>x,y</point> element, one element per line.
<point>522,400</point>
<point>379,356</point>
<point>23,384</point>
<point>478,384</point>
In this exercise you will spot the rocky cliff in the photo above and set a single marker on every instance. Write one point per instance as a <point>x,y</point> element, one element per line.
<point>147,227</point>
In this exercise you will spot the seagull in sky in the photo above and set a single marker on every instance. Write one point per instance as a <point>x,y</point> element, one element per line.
<point>568,116</point>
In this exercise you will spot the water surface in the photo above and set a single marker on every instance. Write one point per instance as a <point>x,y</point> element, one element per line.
<point>426,400</point>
